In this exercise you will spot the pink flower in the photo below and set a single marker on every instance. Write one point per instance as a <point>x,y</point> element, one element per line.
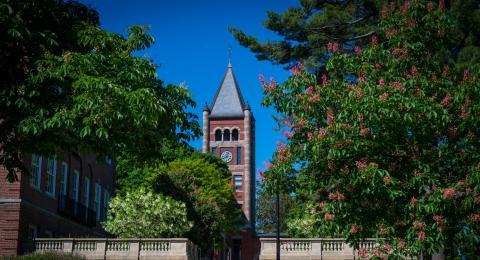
<point>336,196</point>
<point>361,165</point>
<point>322,132</point>
<point>332,46</point>
<point>323,204</point>
<point>309,90</point>
<point>357,50</point>
<point>401,244</point>
<point>261,173</point>
<point>324,80</point>
<point>364,131</point>
<point>384,96</point>
<point>387,179</point>
<point>417,225</point>
<point>438,219</point>
<point>362,252</point>
<point>354,229</point>
<point>330,116</point>
<point>267,165</point>
<point>384,12</point>
<point>288,134</point>
<point>429,6</point>
<point>441,4</point>
<point>391,32</point>
<point>475,217</point>
<point>446,100</point>
<point>413,201</point>
<point>374,40</point>
<point>448,193</point>
<point>414,72</point>
<point>405,6</point>
<point>378,67</point>
<point>466,74</point>
<point>381,82</point>
<point>262,79</point>
<point>331,165</point>
<point>421,235</point>
<point>328,217</point>
<point>314,98</point>
<point>309,136</point>
<point>359,92</point>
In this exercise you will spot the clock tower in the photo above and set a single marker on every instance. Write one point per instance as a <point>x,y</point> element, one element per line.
<point>229,132</point>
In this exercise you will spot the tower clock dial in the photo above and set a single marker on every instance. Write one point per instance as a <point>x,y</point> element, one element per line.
<point>226,156</point>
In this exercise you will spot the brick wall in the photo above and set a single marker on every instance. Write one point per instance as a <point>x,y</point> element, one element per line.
<point>23,206</point>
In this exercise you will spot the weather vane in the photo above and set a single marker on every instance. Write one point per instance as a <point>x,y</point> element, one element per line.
<point>229,53</point>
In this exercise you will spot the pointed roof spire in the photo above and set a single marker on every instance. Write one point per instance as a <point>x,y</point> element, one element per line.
<point>228,101</point>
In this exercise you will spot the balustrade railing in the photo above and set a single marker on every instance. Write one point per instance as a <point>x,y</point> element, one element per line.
<point>93,248</point>
<point>315,248</point>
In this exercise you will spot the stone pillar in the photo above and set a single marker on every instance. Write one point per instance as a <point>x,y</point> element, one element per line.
<point>206,130</point>
<point>247,173</point>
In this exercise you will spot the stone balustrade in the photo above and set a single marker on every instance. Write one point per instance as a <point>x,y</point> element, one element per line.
<point>315,248</point>
<point>101,248</point>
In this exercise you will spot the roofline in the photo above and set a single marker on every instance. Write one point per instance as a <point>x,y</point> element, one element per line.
<point>237,88</point>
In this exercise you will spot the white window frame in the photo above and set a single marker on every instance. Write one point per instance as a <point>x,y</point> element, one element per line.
<point>64,179</point>
<point>98,200</point>
<point>51,176</point>
<point>106,203</point>
<point>76,185</point>
<point>238,188</point>
<point>36,171</point>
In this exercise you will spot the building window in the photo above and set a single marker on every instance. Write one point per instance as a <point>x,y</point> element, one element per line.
<point>239,155</point>
<point>76,185</point>
<point>32,232</point>
<point>64,179</point>
<point>214,150</point>
<point>218,135</point>
<point>36,173</point>
<point>106,204</point>
<point>238,182</point>
<point>226,135</point>
<point>87,197</point>
<point>98,198</point>
<point>51,176</point>
<point>235,135</point>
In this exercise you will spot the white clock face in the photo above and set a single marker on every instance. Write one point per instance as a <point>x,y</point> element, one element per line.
<point>226,156</point>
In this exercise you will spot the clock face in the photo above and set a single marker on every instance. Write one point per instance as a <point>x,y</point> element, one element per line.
<point>226,156</point>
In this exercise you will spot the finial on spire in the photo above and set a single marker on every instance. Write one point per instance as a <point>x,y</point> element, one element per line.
<point>206,108</point>
<point>229,56</point>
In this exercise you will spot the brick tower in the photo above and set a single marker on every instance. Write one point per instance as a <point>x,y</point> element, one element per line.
<point>229,132</point>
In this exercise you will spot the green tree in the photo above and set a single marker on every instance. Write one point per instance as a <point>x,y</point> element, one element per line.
<point>72,86</point>
<point>306,30</point>
<point>386,142</point>
<point>142,213</point>
<point>203,183</point>
<point>266,214</point>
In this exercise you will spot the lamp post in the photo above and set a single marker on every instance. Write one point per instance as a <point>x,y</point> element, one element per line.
<point>277,206</point>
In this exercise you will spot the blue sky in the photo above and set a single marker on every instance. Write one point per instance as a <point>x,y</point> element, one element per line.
<point>191,46</point>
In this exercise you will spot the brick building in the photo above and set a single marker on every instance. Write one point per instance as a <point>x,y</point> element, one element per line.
<point>229,132</point>
<point>62,197</point>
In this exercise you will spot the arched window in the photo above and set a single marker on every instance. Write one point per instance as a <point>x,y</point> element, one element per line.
<point>235,135</point>
<point>226,135</point>
<point>218,135</point>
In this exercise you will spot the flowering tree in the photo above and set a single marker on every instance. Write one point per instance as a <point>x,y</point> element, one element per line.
<point>387,144</point>
<point>142,213</point>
